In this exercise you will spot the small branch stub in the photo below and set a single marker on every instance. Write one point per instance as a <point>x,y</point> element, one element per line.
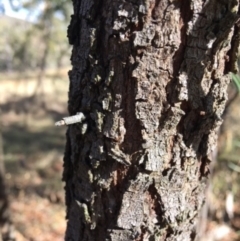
<point>78,118</point>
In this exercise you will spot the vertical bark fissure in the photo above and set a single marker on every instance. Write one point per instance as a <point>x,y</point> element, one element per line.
<point>149,77</point>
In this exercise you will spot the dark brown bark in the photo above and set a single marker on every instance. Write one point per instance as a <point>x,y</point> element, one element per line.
<point>150,78</point>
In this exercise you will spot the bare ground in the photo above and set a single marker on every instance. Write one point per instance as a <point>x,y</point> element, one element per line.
<point>33,152</point>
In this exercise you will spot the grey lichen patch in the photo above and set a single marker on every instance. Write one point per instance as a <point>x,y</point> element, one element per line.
<point>84,208</point>
<point>183,86</point>
<point>131,217</point>
<point>98,117</point>
<point>106,102</point>
<point>105,97</point>
<point>174,116</point>
<point>148,115</point>
<point>155,157</point>
<point>126,14</point>
<point>92,34</point>
<point>96,75</point>
<point>132,214</point>
<point>120,235</point>
<point>144,37</point>
<point>172,197</point>
<point>114,127</point>
<point>218,97</point>
<point>109,78</point>
<point>97,151</point>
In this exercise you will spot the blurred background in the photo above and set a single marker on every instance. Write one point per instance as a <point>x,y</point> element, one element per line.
<point>34,61</point>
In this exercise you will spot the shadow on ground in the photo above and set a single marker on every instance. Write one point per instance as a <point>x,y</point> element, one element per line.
<point>33,154</point>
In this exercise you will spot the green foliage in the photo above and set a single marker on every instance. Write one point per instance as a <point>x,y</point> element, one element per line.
<point>16,46</point>
<point>42,44</point>
<point>54,7</point>
<point>236,81</point>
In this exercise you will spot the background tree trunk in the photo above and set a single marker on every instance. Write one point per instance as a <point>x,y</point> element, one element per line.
<point>6,226</point>
<point>150,77</point>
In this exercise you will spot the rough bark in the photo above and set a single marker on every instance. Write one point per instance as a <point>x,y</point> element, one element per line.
<point>151,78</point>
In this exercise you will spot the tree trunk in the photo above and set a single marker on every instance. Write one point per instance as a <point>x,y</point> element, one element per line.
<point>150,78</point>
<point>6,226</point>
